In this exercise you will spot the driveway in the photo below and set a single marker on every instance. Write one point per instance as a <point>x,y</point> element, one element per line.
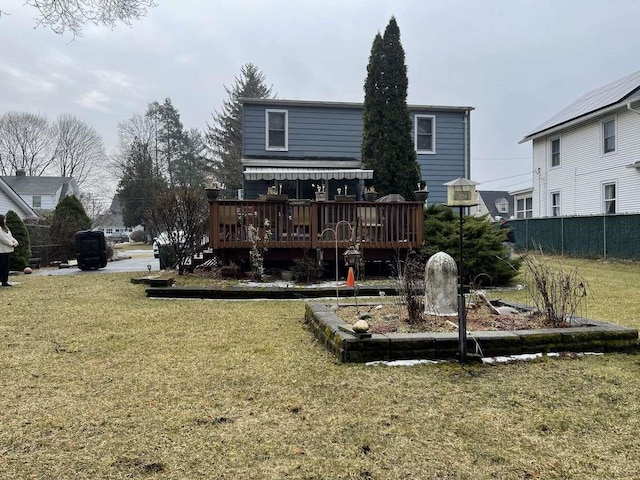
<point>132,261</point>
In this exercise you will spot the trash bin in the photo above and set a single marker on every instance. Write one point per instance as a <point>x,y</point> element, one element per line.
<point>91,250</point>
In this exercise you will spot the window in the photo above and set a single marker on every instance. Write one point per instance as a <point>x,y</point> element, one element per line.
<point>609,195</point>
<point>555,204</point>
<point>36,201</point>
<point>503,206</point>
<point>609,136</point>
<point>108,230</point>
<point>277,130</point>
<point>524,207</point>
<point>555,152</point>
<point>425,133</point>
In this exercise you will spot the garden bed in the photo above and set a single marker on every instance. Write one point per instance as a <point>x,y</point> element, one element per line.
<point>581,335</point>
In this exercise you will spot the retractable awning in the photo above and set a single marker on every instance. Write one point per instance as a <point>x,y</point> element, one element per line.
<point>271,173</point>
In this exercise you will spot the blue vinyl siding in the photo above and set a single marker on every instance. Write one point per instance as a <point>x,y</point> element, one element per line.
<point>313,132</point>
<point>336,132</point>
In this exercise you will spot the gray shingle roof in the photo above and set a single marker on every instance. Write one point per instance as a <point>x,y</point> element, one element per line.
<point>597,99</point>
<point>27,185</point>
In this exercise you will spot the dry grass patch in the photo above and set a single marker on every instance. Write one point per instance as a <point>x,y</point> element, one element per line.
<point>100,382</point>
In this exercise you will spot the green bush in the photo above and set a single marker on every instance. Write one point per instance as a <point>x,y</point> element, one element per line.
<point>138,236</point>
<point>486,259</point>
<point>20,255</point>
<point>68,218</point>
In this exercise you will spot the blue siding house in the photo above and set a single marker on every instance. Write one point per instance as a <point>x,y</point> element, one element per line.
<point>297,147</point>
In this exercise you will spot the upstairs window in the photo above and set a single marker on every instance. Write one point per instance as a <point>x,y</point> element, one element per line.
<point>609,136</point>
<point>555,152</point>
<point>555,204</point>
<point>36,201</point>
<point>609,196</point>
<point>425,133</point>
<point>277,130</point>
<point>502,206</point>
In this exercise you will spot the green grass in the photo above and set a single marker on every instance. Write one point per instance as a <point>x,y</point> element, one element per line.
<point>98,381</point>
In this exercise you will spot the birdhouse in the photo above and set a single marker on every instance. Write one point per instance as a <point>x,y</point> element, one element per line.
<point>461,192</point>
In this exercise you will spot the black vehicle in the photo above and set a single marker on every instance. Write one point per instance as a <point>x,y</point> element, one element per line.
<point>91,249</point>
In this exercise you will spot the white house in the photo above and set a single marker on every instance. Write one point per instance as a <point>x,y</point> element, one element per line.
<point>586,158</point>
<point>42,193</point>
<point>10,200</point>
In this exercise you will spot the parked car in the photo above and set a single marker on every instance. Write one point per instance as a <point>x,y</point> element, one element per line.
<point>118,238</point>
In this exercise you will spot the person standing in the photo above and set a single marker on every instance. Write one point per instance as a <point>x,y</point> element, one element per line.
<point>510,240</point>
<point>7,244</point>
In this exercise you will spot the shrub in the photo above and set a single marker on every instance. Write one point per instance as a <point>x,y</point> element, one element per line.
<point>409,280</point>
<point>20,255</point>
<point>556,293</point>
<point>138,236</point>
<point>68,218</point>
<point>483,251</point>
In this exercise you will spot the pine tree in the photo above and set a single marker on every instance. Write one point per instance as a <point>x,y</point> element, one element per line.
<point>68,218</point>
<point>138,185</point>
<point>169,136</point>
<point>224,136</point>
<point>20,255</point>
<point>387,144</point>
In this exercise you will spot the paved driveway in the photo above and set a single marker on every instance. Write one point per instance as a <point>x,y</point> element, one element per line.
<point>138,262</point>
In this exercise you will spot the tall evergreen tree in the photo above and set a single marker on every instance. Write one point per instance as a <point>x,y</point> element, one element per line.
<point>224,136</point>
<point>20,256</point>
<point>68,218</point>
<point>169,140</point>
<point>138,184</point>
<point>387,144</point>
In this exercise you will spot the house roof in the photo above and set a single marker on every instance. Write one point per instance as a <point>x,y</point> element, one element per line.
<point>491,197</point>
<point>19,202</point>
<point>28,185</point>
<point>320,103</point>
<point>596,100</point>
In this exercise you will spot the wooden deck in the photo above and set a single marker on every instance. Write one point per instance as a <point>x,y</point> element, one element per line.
<point>381,229</point>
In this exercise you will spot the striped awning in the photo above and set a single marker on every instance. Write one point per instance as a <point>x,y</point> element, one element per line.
<point>272,173</point>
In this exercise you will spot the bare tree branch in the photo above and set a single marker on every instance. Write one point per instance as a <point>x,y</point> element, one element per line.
<point>25,143</point>
<point>72,15</point>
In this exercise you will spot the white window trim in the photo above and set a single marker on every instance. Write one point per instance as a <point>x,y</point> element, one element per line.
<point>603,185</point>
<point>551,140</point>
<point>525,209</point>
<point>615,133</point>
<point>551,194</point>
<point>286,130</point>
<point>433,134</point>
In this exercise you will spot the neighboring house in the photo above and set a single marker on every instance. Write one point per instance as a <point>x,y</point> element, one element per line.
<point>495,203</point>
<point>111,222</point>
<point>42,193</point>
<point>586,158</point>
<point>522,202</point>
<point>298,146</point>
<point>10,200</point>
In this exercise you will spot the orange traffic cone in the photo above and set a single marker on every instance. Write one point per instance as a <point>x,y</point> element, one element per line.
<point>351,281</point>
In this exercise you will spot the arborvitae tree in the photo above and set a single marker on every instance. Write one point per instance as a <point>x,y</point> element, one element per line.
<point>138,184</point>
<point>224,136</point>
<point>20,256</point>
<point>373,109</point>
<point>486,259</point>
<point>68,218</point>
<point>386,117</point>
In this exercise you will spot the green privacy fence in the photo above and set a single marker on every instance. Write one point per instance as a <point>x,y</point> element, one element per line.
<point>616,236</point>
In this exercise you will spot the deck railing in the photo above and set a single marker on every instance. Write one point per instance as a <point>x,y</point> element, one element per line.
<point>310,224</point>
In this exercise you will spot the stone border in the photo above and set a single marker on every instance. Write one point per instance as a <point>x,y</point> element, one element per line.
<point>336,335</point>
<point>275,293</point>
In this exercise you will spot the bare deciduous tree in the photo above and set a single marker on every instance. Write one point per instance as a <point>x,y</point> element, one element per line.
<point>78,148</point>
<point>72,15</point>
<point>25,143</point>
<point>180,215</point>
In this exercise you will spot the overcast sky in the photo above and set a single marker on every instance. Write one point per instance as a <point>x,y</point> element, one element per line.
<point>517,62</point>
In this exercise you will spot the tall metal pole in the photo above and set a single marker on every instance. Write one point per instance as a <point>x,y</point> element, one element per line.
<point>462,318</point>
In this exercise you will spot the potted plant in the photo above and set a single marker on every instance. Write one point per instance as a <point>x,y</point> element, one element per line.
<point>422,193</point>
<point>370,194</point>
<point>212,193</point>
<point>321,194</point>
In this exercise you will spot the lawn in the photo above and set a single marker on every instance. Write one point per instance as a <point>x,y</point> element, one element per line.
<point>100,382</point>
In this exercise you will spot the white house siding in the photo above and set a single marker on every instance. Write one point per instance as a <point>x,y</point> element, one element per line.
<point>584,169</point>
